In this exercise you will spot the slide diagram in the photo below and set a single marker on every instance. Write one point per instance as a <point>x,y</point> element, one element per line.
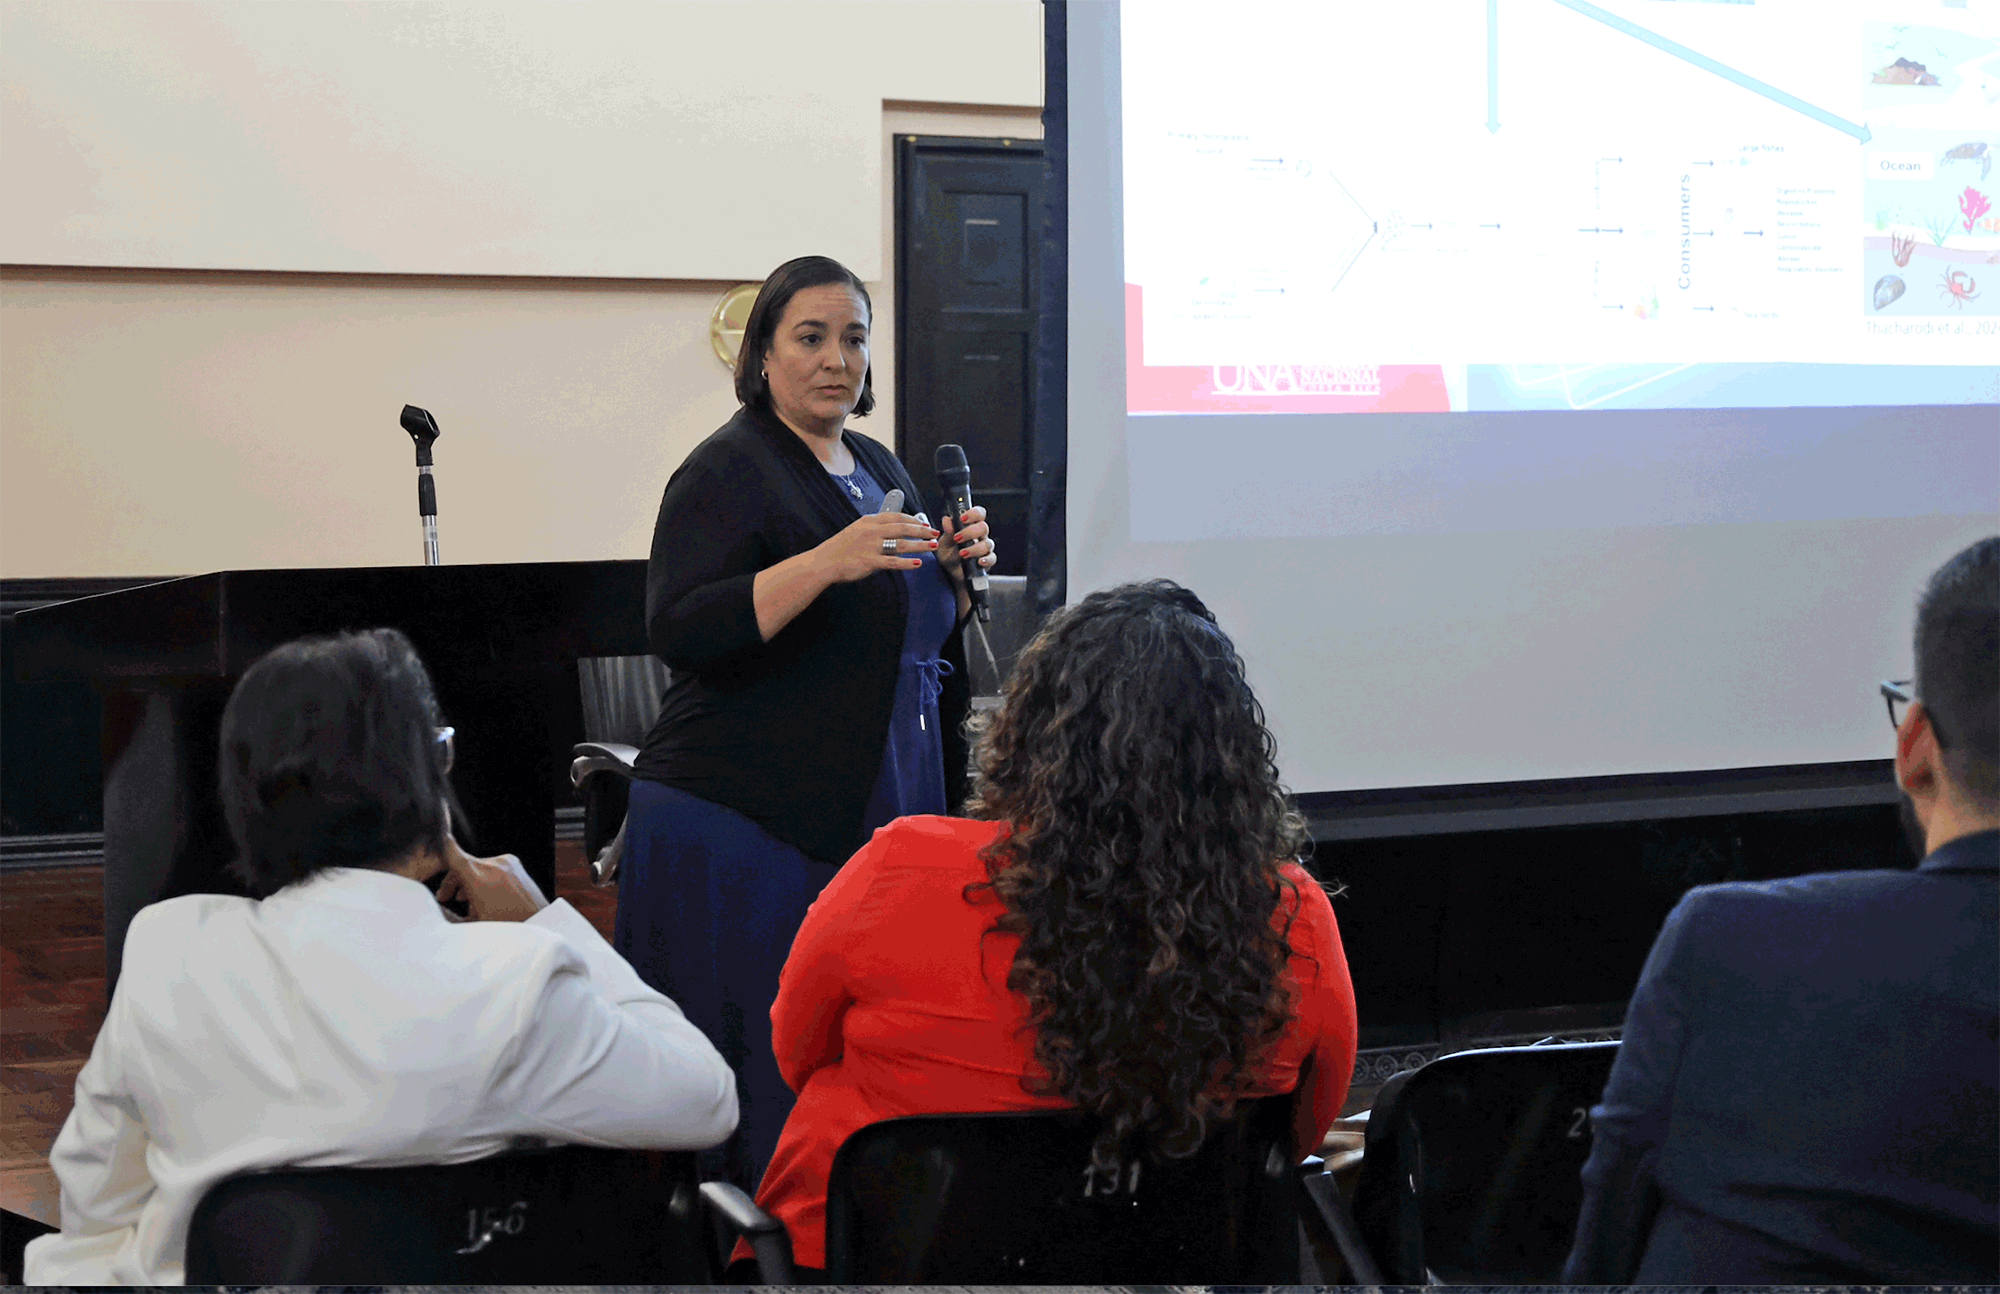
<point>1931,232</point>
<point>1556,203</point>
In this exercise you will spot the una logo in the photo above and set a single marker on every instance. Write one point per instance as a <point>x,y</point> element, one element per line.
<point>1296,379</point>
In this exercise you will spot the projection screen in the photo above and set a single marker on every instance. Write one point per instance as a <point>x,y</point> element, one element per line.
<point>1538,389</point>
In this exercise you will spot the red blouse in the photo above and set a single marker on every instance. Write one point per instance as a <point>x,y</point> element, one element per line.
<point>894,1001</point>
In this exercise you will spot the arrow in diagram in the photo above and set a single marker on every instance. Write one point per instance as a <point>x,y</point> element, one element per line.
<point>1493,66</point>
<point>1706,64</point>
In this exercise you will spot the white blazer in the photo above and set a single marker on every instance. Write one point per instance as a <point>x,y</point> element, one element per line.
<point>344,1020</point>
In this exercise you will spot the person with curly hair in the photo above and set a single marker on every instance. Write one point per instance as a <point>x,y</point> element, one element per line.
<point>1122,927</point>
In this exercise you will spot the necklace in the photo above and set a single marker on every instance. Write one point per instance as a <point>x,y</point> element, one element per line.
<point>848,480</point>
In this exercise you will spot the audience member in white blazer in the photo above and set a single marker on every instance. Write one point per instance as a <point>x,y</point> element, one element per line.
<point>346,1018</point>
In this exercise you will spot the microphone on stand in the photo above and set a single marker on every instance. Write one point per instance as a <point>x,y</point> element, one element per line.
<point>955,482</point>
<point>424,429</point>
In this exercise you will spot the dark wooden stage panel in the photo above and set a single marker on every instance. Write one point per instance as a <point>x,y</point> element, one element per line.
<point>460,617</point>
<point>501,642</point>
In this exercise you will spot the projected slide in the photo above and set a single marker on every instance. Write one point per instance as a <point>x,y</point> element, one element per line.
<point>1495,205</point>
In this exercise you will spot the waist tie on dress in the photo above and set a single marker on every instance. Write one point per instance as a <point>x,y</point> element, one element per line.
<point>930,685</point>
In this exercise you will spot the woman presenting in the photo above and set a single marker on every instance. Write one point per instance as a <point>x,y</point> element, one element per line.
<point>818,681</point>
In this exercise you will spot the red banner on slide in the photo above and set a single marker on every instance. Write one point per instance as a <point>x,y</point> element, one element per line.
<point>1273,388</point>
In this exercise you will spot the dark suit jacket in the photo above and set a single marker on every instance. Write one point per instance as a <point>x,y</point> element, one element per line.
<point>1806,1092</point>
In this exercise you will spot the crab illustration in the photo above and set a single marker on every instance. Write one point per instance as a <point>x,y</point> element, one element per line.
<point>1960,287</point>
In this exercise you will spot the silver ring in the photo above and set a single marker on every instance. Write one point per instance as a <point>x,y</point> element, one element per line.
<point>889,548</point>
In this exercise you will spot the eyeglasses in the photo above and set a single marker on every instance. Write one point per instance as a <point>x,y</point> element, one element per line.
<point>1900,692</point>
<point>445,745</point>
<point>1894,694</point>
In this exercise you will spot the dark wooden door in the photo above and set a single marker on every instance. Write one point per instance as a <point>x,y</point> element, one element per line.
<point>968,282</point>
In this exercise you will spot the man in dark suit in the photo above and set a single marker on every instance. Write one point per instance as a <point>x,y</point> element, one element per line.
<point>1806,1092</point>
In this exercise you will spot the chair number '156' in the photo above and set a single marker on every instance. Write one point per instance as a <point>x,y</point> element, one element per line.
<point>482,1225</point>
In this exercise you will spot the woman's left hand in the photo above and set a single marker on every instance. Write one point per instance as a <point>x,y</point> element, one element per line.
<point>971,543</point>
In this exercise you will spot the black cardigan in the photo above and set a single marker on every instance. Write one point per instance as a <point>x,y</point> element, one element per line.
<point>788,733</point>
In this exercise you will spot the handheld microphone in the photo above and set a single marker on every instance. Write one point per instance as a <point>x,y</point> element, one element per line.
<point>424,429</point>
<point>955,483</point>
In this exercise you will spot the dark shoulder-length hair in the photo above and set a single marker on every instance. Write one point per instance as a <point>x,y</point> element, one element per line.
<point>1141,867</point>
<point>330,757</point>
<point>786,282</point>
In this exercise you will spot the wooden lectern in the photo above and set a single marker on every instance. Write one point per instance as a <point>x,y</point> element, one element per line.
<point>501,643</point>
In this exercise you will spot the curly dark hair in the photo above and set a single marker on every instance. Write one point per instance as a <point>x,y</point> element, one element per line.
<point>1147,827</point>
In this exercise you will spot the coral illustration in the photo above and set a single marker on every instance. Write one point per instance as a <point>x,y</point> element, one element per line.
<point>1974,204</point>
<point>1900,247</point>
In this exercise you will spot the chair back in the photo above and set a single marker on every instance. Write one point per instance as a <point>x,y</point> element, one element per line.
<point>572,1215</point>
<point>1014,623</point>
<point>1471,1174</point>
<point>621,696</point>
<point>1009,1199</point>
<point>621,700</point>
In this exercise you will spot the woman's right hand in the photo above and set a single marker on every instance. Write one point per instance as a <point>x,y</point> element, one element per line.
<point>856,552</point>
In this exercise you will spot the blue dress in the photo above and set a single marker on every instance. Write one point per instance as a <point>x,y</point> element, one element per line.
<point>912,776</point>
<point>708,901</point>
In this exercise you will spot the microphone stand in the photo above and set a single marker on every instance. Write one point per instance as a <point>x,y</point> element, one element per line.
<point>992,662</point>
<point>424,429</point>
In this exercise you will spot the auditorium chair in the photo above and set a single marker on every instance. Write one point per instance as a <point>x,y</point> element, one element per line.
<point>1010,1199</point>
<point>621,699</point>
<point>569,1215</point>
<point>1471,1172</point>
<point>16,1230</point>
<point>1013,624</point>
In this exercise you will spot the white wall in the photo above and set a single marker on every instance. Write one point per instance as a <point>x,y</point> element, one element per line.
<point>655,140</point>
<point>163,422</point>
